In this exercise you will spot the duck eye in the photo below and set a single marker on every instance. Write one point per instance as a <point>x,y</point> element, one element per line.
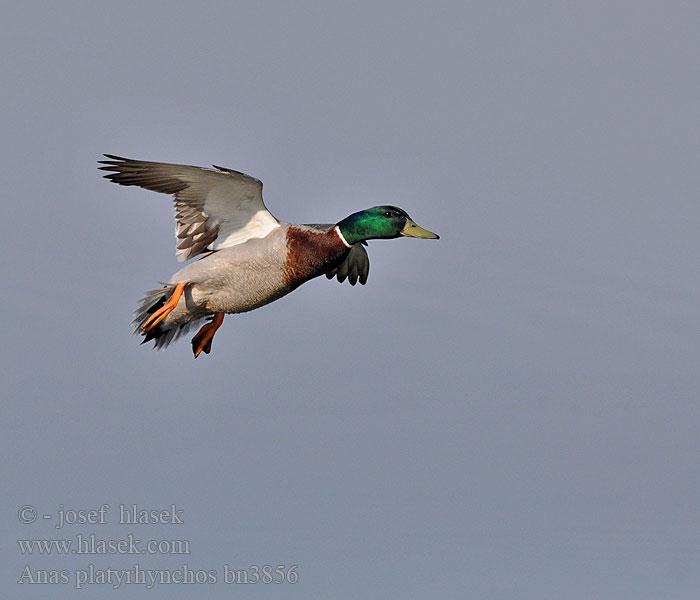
<point>388,213</point>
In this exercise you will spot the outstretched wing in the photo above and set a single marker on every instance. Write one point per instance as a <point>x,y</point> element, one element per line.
<point>354,267</point>
<point>213,209</point>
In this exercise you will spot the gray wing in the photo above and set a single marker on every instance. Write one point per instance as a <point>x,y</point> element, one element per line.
<point>354,267</point>
<point>213,209</point>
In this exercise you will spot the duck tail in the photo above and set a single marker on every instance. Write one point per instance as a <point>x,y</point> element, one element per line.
<point>162,334</point>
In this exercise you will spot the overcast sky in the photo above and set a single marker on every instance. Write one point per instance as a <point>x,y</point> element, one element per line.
<point>509,412</point>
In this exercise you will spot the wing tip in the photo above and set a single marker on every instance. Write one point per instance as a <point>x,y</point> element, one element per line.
<point>113,159</point>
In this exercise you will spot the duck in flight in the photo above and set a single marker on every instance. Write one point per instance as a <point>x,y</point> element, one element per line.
<point>247,258</point>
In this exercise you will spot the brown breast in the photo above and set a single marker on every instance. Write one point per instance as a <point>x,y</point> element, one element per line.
<point>311,253</point>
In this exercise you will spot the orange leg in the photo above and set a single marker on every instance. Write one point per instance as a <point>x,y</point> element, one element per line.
<point>202,341</point>
<point>164,310</point>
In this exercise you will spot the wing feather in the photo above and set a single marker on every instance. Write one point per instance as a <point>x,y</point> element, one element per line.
<point>354,268</point>
<point>213,209</point>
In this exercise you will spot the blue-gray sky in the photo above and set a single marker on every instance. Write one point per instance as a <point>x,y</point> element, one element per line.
<point>510,412</point>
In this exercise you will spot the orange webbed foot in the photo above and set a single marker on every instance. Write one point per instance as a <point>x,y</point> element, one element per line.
<point>164,310</point>
<point>202,341</point>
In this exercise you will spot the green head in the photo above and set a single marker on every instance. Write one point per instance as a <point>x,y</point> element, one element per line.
<point>381,222</point>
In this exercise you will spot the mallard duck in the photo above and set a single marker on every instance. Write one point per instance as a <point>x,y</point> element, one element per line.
<point>248,258</point>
